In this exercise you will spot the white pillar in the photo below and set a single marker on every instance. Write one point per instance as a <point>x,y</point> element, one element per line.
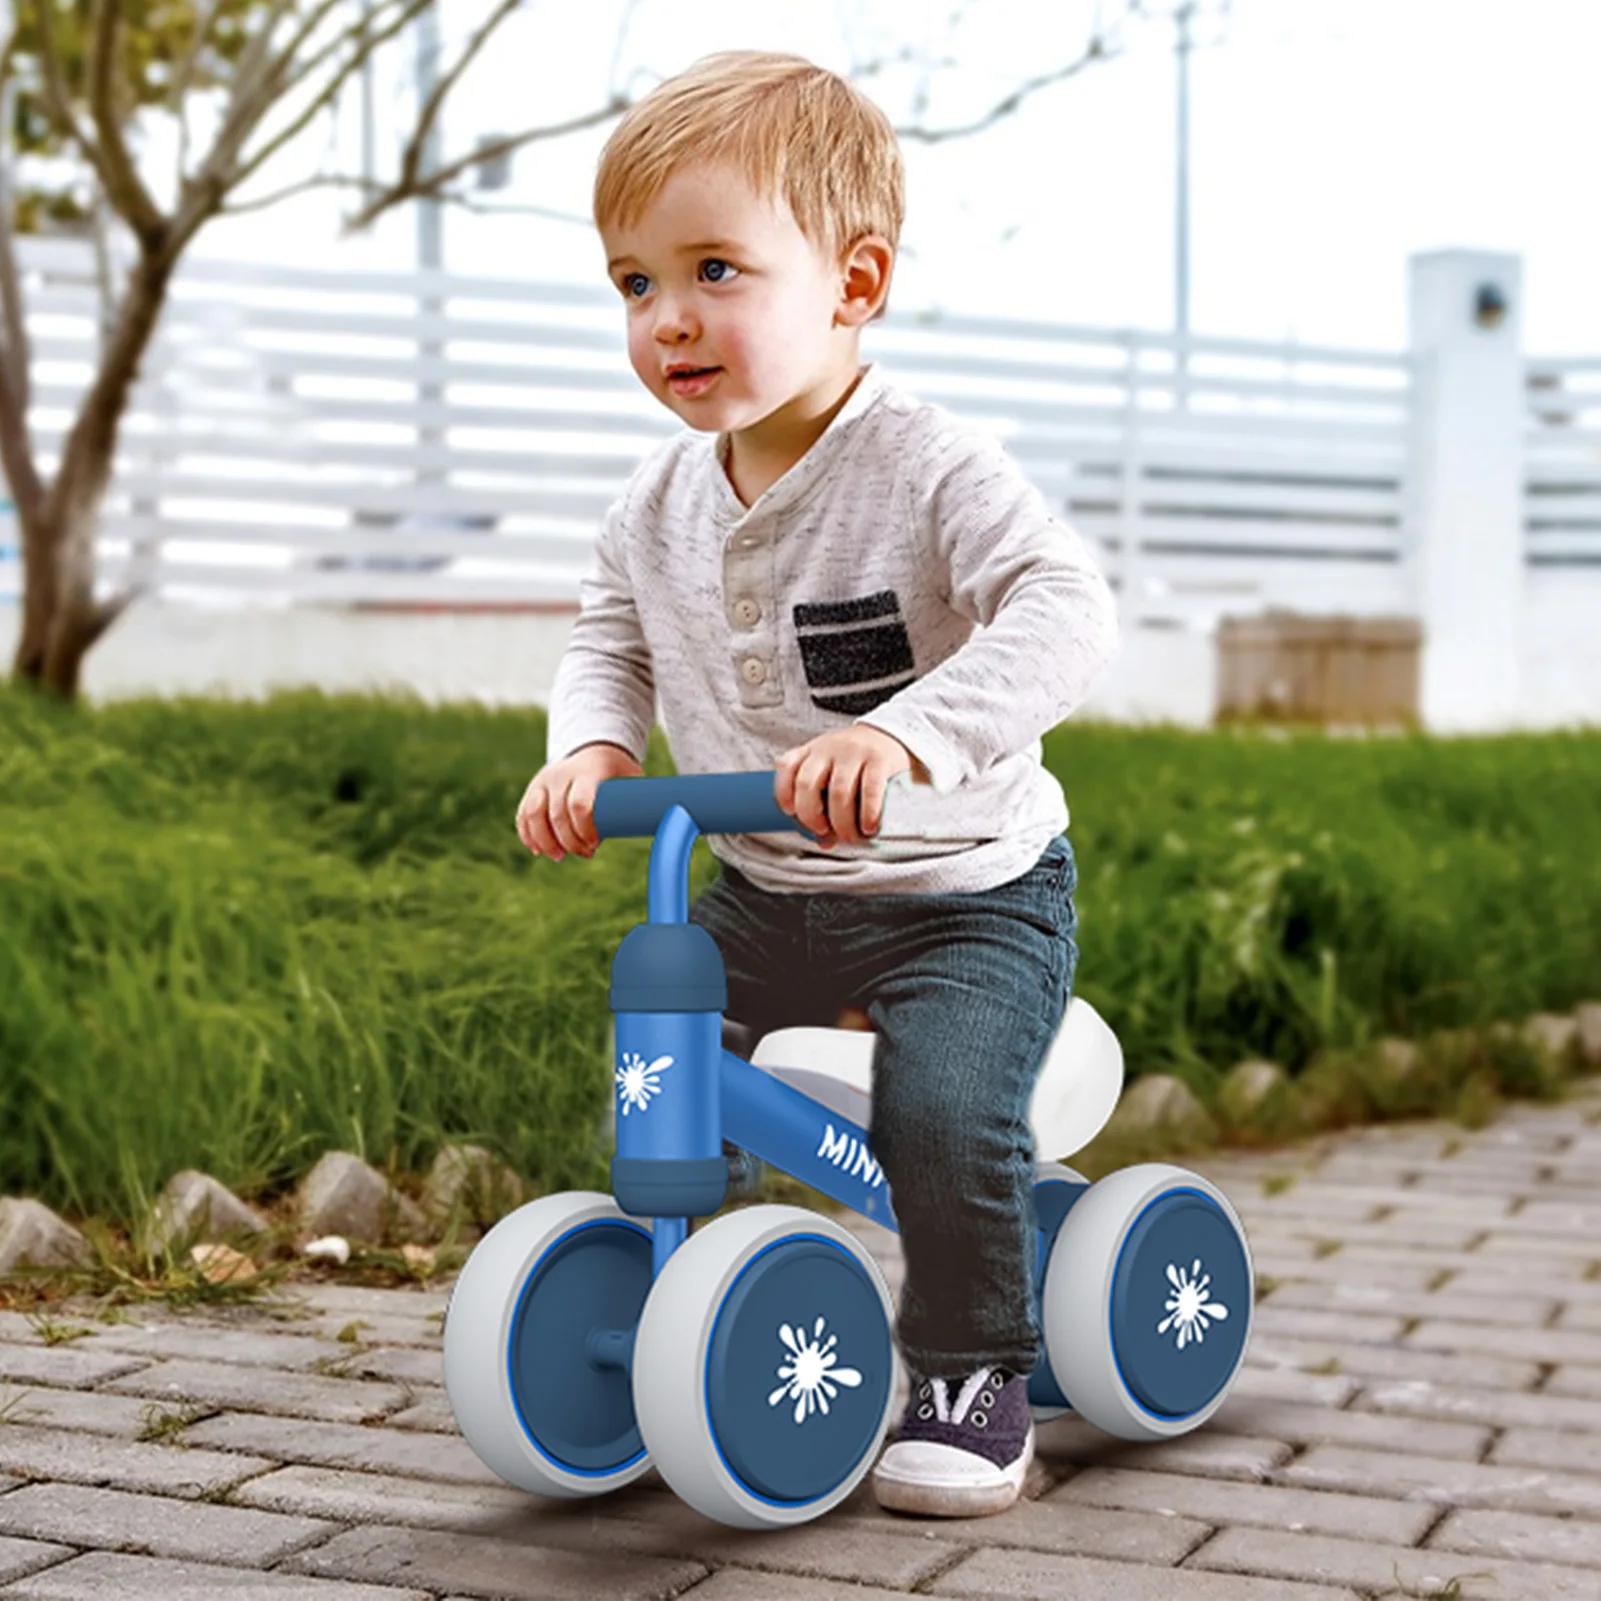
<point>1466,553</point>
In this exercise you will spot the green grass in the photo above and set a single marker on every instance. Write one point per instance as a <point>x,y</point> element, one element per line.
<point>235,936</point>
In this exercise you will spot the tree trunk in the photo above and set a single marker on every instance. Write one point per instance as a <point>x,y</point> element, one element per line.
<point>61,618</point>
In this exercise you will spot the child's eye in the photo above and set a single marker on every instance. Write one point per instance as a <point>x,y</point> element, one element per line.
<point>722,277</point>
<point>628,280</point>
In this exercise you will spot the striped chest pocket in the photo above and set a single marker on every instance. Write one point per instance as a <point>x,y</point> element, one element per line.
<point>856,653</point>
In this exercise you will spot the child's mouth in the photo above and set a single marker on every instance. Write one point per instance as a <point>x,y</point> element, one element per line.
<point>684,384</point>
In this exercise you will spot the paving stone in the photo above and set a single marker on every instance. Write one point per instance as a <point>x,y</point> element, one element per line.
<point>401,1365</point>
<point>1359,1294</point>
<point>377,1328</point>
<point>1389,1362</point>
<point>641,1523</point>
<point>431,1415</point>
<point>1501,1409</point>
<point>1566,1219</point>
<point>21,1557</point>
<point>1497,1269</point>
<point>1445,1481</point>
<point>288,1394</point>
<point>1372,1567</point>
<point>1538,1345</point>
<point>210,1342</point>
<point>1032,1575</point>
<point>509,1570</point>
<point>129,1465</point>
<point>1357,1327</point>
<point>1561,1281</point>
<point>1548,1448</point>
<point>150,1525</point>
<point>87,1411</point>
<point>1572,1542</point>
<point>1268,1506</point>
<point>1583,1313</point>
<point>343,1445</point>
<point>1528,1247</point>
<point>1345,1267</point>
<point>741,1584</point>
<point>1290,1384</point>
<point>1316,1425</point>
<point>124,1578</point>
<point>1411,1234</point>
<point>1577,1380</point>
<point>1209,1452</point>
<point>1475,1176</point>
<point>66,1366</point>
<point>1155,1539</point>
<point>359,1299</point>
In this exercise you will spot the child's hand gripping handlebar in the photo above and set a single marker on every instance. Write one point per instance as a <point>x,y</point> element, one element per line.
<point>719,803</point>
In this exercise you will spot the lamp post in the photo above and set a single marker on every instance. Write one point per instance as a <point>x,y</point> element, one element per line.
<point>1181,219</point>
<point>430,243</point>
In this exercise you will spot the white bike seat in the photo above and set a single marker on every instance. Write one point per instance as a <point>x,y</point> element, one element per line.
<point>1075,1093</point>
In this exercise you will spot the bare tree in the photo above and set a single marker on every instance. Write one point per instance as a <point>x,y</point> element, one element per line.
<point>277,66</point>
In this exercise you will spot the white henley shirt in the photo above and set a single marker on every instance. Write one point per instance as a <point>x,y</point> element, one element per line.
<point>903,573</point>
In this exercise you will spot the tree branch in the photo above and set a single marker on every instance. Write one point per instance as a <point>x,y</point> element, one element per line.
<point>123,186</point>
<point>176,96</point>
<point>428,114</point>
<point>14,352</point>
<point>241,170</point>
<point>434,182</point>
<point>55,87</point>
<point>1098,49</point>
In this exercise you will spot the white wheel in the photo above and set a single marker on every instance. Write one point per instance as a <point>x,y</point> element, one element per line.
<point>1146,1304</point>
<point>764,1369</point>
<point>520,1366</point>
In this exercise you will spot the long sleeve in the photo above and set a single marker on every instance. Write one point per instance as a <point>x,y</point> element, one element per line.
<point>604,687</point>
<point>1046,619</point>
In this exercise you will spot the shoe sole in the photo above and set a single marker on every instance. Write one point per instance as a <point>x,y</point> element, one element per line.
<point>951,1501</point>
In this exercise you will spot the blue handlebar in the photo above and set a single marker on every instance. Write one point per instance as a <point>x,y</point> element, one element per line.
<point>719,803</point>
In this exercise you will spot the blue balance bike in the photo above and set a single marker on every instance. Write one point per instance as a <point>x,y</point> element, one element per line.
<point>592,1336</point>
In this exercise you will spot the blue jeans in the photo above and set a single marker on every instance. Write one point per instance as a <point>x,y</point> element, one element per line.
<point>966,993</point>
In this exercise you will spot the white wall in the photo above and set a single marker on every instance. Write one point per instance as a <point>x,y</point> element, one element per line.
<point>495,658</point>
<point>509,658</point>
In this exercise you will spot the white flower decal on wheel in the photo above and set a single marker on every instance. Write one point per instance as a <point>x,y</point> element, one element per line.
<point>810,1378</point>
<point>636,1080</point>
<point>1187,1307</point>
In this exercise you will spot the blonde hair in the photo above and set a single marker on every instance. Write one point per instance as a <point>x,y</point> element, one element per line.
<point>797,131</point>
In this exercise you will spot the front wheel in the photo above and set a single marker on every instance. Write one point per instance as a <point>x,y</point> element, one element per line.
<point>764,1370</point>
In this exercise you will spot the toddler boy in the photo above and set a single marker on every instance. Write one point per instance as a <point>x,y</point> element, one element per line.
<point>824,576</point>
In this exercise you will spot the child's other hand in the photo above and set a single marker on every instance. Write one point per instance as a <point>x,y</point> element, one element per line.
<point>557,813</point>
<point>834,784</point>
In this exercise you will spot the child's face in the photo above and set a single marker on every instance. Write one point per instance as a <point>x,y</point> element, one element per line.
<point>715,277</point>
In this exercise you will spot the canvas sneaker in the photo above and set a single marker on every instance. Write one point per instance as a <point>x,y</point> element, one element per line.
<point>963,1447</point>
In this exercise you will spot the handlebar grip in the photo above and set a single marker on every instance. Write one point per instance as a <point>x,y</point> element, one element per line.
<point>720,803</point>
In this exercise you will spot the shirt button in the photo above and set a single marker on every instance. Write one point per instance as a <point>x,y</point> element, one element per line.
<point>750,541</point>
<point>746,610</point>
<point>754,669</point>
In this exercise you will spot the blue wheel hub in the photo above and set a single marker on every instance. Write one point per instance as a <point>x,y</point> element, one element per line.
<point>1180,1304</point>
<point>579,1415</point>
<point>799,1369</point>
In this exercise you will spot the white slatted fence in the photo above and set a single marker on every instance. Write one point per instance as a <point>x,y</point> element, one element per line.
<point>328,437</point>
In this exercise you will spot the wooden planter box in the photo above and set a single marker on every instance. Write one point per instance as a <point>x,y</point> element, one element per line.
<point>1290,667</point>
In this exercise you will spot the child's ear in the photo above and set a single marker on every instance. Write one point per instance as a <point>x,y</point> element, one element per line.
<point>864,284</point>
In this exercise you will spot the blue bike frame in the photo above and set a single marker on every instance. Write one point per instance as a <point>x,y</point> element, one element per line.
<point>711,1093</point>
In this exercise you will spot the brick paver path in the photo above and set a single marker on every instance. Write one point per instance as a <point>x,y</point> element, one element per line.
<point>1420,1415</point>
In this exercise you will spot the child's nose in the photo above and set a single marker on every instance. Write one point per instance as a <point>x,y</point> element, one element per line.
<point>673,319</point>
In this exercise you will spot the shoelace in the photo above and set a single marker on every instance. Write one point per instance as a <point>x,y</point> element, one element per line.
<point>972,1386</point>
